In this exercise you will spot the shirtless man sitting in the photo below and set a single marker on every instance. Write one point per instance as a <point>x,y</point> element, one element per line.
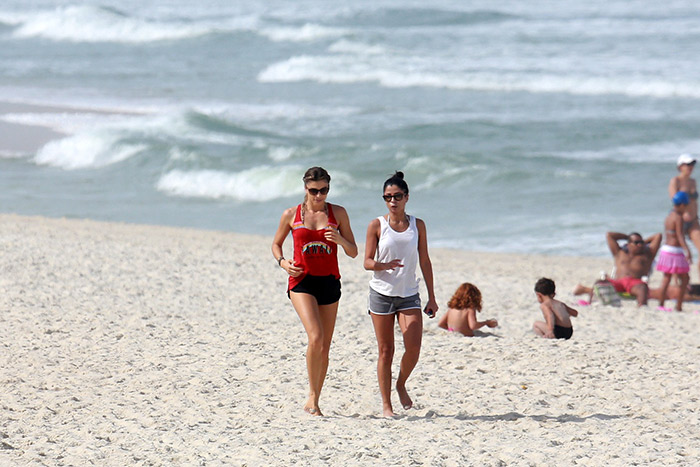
<point>631,263</point>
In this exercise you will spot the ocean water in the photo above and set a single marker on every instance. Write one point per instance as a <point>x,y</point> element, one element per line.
<point>529,127</point>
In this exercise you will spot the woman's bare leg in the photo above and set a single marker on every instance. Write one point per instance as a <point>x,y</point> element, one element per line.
<point>319,323</point>
<point>664,286</point>
<point>684,278</point>
<point>411,324</point>
<point>384,330</point>
<point>328,314</point>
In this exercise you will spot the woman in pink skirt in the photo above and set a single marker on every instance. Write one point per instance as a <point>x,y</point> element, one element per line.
<point>671,260</point>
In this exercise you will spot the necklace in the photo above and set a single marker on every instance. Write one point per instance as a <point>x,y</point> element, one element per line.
<point>303,210</point>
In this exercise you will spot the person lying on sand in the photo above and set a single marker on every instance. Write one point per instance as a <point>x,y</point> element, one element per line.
<point>692,293</point>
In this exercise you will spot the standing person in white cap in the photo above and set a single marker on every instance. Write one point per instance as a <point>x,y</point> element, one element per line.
<point>684,182</point>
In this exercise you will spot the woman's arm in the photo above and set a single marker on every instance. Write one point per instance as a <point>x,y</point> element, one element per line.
<point>681,238</point>
<point>370,264</point>
<point>673,187</point>
<point>426,267</point>
<point>343,236</point>
<point>282,231</point>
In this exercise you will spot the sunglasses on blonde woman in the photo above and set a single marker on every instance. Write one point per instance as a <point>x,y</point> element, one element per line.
<point>316,191</point>
<point>396,196</point>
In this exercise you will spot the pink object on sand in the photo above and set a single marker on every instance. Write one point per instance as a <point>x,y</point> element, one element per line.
<point>583,302</point>
<point>664,308</point>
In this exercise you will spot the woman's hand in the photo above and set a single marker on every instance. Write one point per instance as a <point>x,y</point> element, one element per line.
<point>292,270</point>
<point>333,235</point>
<point>393,264</point>
<point>492,323</point>
<point>431,308</point>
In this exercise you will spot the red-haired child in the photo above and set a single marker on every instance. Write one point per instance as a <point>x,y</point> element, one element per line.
<point>461,313</point>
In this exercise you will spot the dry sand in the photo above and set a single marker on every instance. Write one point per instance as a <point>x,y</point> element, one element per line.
<point>138,345</point>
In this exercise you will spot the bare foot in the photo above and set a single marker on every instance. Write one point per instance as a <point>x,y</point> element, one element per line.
<point>388,411</point>
<point>315,411</point>
<point>406,401</point>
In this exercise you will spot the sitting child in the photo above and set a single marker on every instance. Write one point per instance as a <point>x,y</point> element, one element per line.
<point>461,313</point>
<point>557,315</point>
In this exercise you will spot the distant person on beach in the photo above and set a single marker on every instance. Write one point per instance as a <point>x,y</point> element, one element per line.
<point>684,182</point>
<point>632,263</point>
<point>462,309</point>
<point>675,256</point>
<point>317,228</point>
<point>396,244</point>
<point>557,315</point>
<point>673,292</point>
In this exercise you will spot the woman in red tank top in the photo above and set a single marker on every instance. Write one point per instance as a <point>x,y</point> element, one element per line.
<point>317,228</point>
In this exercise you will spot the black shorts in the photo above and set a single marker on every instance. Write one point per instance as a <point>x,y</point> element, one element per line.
<point>326,289</point>
<point>560,332</point>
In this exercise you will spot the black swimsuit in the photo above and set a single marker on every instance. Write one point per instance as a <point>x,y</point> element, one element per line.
<point>561,332</point>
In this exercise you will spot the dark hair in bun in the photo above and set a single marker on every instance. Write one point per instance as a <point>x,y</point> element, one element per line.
<point>396,180</point>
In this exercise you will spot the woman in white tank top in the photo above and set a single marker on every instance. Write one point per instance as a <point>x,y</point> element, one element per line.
<point>396,244</point>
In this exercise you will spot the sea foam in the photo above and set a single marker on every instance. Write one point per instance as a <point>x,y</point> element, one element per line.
<point>86,150</point>
<point>261,183</point>
<point>305,33</point>
<point>348,68</point>
<point>99,24</point>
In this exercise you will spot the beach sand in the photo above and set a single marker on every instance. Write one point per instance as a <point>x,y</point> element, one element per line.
<point>140,345</point>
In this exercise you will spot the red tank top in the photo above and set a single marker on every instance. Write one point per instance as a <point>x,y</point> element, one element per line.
<point>312,252</point>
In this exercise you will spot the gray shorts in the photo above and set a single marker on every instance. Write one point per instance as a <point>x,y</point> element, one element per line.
<point>379,304</point>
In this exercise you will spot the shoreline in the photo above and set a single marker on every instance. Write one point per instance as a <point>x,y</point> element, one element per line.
<point>129,344</point>
<point>21,139</point>
<point>24,139</point>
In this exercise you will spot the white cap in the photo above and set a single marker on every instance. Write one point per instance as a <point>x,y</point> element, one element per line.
<point>685,159</point>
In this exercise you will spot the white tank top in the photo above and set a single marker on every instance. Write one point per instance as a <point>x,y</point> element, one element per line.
<point>398,282</point>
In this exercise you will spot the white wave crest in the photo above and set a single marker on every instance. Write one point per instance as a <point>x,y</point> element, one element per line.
<point>86,150</point>
<point>64,122</point>
<point>11,18</point>
<point>262,183</point>
<point>359,48</point>
<point>7,154</point>
<point>95,24</point>
<point>344,69</point>
<point>660,152</point>
<point>279,154</point>
<point>305,33</point>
